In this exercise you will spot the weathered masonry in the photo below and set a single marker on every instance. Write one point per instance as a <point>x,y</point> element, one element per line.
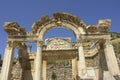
<point>33,66</point>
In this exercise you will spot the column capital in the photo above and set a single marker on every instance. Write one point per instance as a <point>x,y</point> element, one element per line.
<point>79,43</point>
<point>18,45</point>
<point>39,43</point>
<point>14,44</point>
<point>10,44</point>
<point>108,42</point>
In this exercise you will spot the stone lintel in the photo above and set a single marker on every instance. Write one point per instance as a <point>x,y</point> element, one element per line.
<point>95,36</point>
<point>23,38</point>
<point>34,38</point>
<point>61,54</point>
<point>56,54</point>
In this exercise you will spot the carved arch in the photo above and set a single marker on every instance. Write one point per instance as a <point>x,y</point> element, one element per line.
<point>60,20</point>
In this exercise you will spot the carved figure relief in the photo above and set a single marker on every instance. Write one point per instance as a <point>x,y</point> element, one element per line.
<point>58,44</point>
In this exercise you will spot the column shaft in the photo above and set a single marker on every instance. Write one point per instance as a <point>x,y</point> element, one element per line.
<point>38,63</point>
<point>7,63</point>
<point>111,59</point>
<point>44,70</point>
<point>82,65</point>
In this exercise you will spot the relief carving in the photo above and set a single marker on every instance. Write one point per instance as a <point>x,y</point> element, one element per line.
<point>11,25</point>
<point>104,25</point>
<point>58,18</point>
<point>58,44</point>
<point>67,17</point>
<point>11,28</point>
<point>42,21</point>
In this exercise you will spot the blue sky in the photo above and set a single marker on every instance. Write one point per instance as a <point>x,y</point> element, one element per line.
<point>26,12</point>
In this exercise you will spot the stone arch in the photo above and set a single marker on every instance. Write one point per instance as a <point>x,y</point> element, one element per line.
<point>60,20</point>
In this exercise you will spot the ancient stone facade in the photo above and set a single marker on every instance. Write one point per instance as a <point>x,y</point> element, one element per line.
<point>92,56</point>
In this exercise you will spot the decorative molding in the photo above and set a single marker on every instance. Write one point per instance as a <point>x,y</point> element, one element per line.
<point>67,17</point>
<point>104,25</point>
<point>58,19</point>
<point>13,28</point>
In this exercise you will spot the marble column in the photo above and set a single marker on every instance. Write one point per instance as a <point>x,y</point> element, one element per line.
<point>7,62</point>
<point>74,68</point>
<point>111,58</point>
<point>44,70</point>
<point>81,64</point>
<point>38,62</point>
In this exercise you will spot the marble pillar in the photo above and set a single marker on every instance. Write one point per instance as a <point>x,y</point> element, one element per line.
<point>7,62</point>
<point>38,62</point>
<point>44,70</point>
<point>111,58</point>
<point>74,68</point>
<point>81,65</point>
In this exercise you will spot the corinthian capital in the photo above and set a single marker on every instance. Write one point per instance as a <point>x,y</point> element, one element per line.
<point>108,43</point>
<point>18,45</point>
<point>80,41</point>
<point>39,43</point>
<point>10,44</point>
